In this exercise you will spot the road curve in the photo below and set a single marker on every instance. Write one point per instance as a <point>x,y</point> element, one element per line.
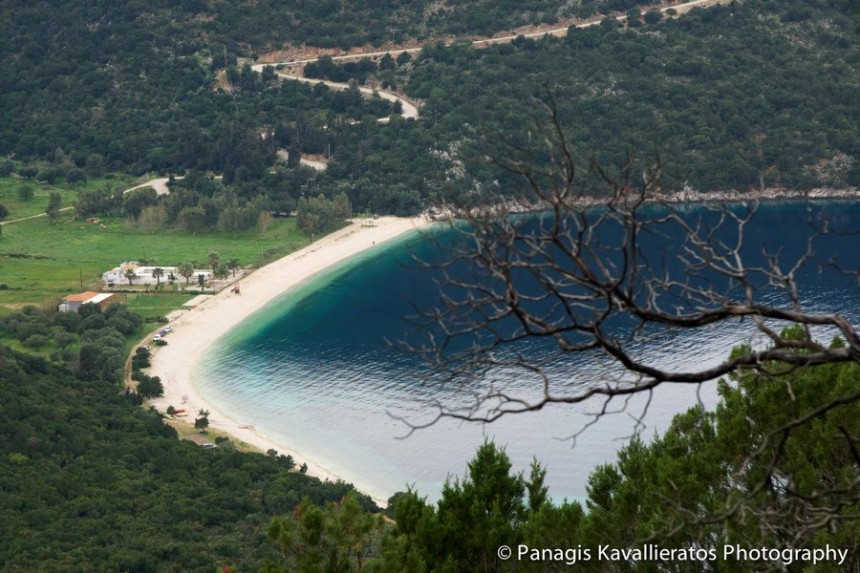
<point>410,110</point>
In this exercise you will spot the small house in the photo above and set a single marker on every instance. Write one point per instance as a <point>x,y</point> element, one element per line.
<point>73,302</point>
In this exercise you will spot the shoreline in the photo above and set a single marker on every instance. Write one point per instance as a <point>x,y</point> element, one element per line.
<point>199,328</point>
<point>686,197</point>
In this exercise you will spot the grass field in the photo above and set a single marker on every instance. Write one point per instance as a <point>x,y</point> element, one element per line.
<point>42,262</point>
<point>155,304</point>
<point>18,209</point>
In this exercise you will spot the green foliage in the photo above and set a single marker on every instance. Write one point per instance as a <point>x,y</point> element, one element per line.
<point>75,175</point>
<point>133,203</point>
<point>140,359</point>
<point>676,488</point>
<point>202,422</point>
<point>318,214</point>
<point>485,509</point>
<point>761,471</point>
<point>91,342</point>
<point>718,121</point>
<point>665,84</point>
<point>150,387</point>
<point>214,260</point>
<point>337,537</point>
<point>93,482</point>
<point>26,193</point>
<point>53,209</point>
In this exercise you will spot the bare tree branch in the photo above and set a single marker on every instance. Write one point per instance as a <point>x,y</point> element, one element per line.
<point>596,263</point>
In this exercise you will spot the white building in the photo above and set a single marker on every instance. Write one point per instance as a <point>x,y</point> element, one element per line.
<point>143,274</point>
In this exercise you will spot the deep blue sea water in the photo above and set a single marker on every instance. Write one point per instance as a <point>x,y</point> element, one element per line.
<point>316,373</point>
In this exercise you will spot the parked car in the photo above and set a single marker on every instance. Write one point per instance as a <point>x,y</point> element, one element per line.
<point>156,338</point>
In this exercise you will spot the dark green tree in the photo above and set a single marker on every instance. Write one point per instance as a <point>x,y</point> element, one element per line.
<point>476,515</point>
<point>151,387</point>
<point>26,193</point>
<point>202,421</point>
<point>337,538</point>
<point>53,209</point>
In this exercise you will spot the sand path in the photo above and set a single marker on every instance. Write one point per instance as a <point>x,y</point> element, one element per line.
<point>197,330</point>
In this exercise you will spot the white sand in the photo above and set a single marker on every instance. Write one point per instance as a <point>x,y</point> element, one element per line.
<point>197,330</point>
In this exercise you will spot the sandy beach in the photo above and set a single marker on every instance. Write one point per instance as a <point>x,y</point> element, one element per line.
<point>198,328</point>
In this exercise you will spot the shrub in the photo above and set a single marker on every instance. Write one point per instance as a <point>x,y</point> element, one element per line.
<point>150,386</point>
<point>36,341</point>
<point>26,193</point>
<point>63,339</point>
<point>76,175</point>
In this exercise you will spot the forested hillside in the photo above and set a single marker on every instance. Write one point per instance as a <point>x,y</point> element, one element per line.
<point>89,481</point>
<point>749,95</point>
<point>752,94</point>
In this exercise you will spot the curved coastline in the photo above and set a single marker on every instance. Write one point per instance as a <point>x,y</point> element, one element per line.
<point>198,329</point>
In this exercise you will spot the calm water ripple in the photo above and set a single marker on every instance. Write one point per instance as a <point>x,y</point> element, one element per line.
<point>317,375</point>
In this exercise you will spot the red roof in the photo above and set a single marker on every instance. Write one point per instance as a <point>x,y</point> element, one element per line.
<point>82,297</point>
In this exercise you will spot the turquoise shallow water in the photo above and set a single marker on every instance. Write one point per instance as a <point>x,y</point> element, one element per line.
<point>315,372</point>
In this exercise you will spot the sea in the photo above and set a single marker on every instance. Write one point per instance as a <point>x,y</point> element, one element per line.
<point>323,370</point>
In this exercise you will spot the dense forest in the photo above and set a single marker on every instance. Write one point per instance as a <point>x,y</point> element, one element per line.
<point>90,481</point>
<point>743,96</point>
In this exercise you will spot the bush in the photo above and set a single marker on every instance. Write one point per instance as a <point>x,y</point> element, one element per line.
<point>140,359</point>
<point>653,17</point>
<point>36,341</point>
<point>76,175</point>
<point>97,362</point>
<point>26,193</point>
<point>48,175</point>
<point>64,339</point>
<point>69,321</point>
<point>93,322</point>
<point>150,386</point>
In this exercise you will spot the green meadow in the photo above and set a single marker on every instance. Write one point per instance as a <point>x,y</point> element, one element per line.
<point>41,262</point>
<point>10,187</point>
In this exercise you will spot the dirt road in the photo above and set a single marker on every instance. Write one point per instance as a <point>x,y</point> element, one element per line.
<point>410,109</point>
